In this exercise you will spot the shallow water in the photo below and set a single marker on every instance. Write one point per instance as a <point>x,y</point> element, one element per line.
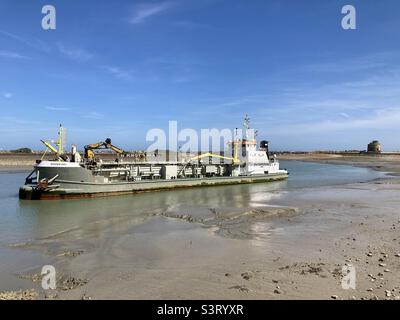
<point>24,221</point>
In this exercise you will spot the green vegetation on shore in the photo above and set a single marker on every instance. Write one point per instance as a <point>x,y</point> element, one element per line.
<point>21,150</point>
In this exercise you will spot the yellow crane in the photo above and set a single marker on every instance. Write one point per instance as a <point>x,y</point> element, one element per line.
<point>59,144</point>
<point>50,147</point>
<point>89,154</point>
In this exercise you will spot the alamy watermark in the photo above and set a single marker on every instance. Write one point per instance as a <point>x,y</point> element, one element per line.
<point>348,21</point>
<point>49,20</point>
<point>49,277</point>
<point>348,277</point>
<point>189,140</point>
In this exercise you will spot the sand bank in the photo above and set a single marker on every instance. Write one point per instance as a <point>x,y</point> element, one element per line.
<point>382,162</point>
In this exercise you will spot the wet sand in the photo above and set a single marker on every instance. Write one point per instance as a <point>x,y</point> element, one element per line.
<point>294,248</point>
<point>17,162</point>
<point>381,162</point>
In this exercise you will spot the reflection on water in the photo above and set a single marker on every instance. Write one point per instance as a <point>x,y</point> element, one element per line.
<point>26,220</point>
<point>48,217</point>
<point>306,174</point>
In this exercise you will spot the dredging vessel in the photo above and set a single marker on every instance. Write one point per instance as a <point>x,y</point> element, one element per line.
<point>74,176</point>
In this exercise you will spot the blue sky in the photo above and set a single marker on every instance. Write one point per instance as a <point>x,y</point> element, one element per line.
<point>119,68</point>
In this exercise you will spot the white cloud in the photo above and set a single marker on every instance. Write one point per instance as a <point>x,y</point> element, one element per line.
<point>73,53</point>
<point>144,11</point>
<point>380,119</point>
<point>12,121</point>
<point>11,55</point>
<point>7,95</point>
<point>94,115</point>
<point>118,72</point>
<point>33,43</point>
<point>57,108</point>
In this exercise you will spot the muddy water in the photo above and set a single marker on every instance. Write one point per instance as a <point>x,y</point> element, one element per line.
<point>34,233</point>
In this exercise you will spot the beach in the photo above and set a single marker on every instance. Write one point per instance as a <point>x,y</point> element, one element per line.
<point>289,244</point>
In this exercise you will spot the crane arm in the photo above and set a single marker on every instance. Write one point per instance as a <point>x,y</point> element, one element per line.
<point>51,148</point>
<point>101,145</point>
<point>97,145</point>
<point>208,154</point>
<point>115,149</point>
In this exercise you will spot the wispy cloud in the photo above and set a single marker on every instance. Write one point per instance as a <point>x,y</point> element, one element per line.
<point>363,101</point>
<point>35,43</point>
<point>12,121</point>
<point>57,108</point>
<point>119,72</point>
<point>12,55</point>
<point>190,24</point>
<point>13,36</point>
<point>142,12</point>
<point>388,118</point>
<point>94,115</point>
<point>74,53</point>
<point>7,95</point>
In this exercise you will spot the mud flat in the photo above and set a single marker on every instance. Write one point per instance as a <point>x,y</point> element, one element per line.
<point>383,162</point>
<point>287,244</point>
<point>17,162</point>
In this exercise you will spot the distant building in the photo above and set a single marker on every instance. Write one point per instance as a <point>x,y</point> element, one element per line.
<point>374,147</point>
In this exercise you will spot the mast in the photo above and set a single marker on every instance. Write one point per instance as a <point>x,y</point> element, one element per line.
<point>246,126</point>
<point>60,142</point>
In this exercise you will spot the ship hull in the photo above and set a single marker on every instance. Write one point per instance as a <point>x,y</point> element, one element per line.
<point>66,189</point>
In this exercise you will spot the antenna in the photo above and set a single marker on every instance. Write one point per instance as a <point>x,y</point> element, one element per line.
<point>246,125</point>
<point>246,122</point>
